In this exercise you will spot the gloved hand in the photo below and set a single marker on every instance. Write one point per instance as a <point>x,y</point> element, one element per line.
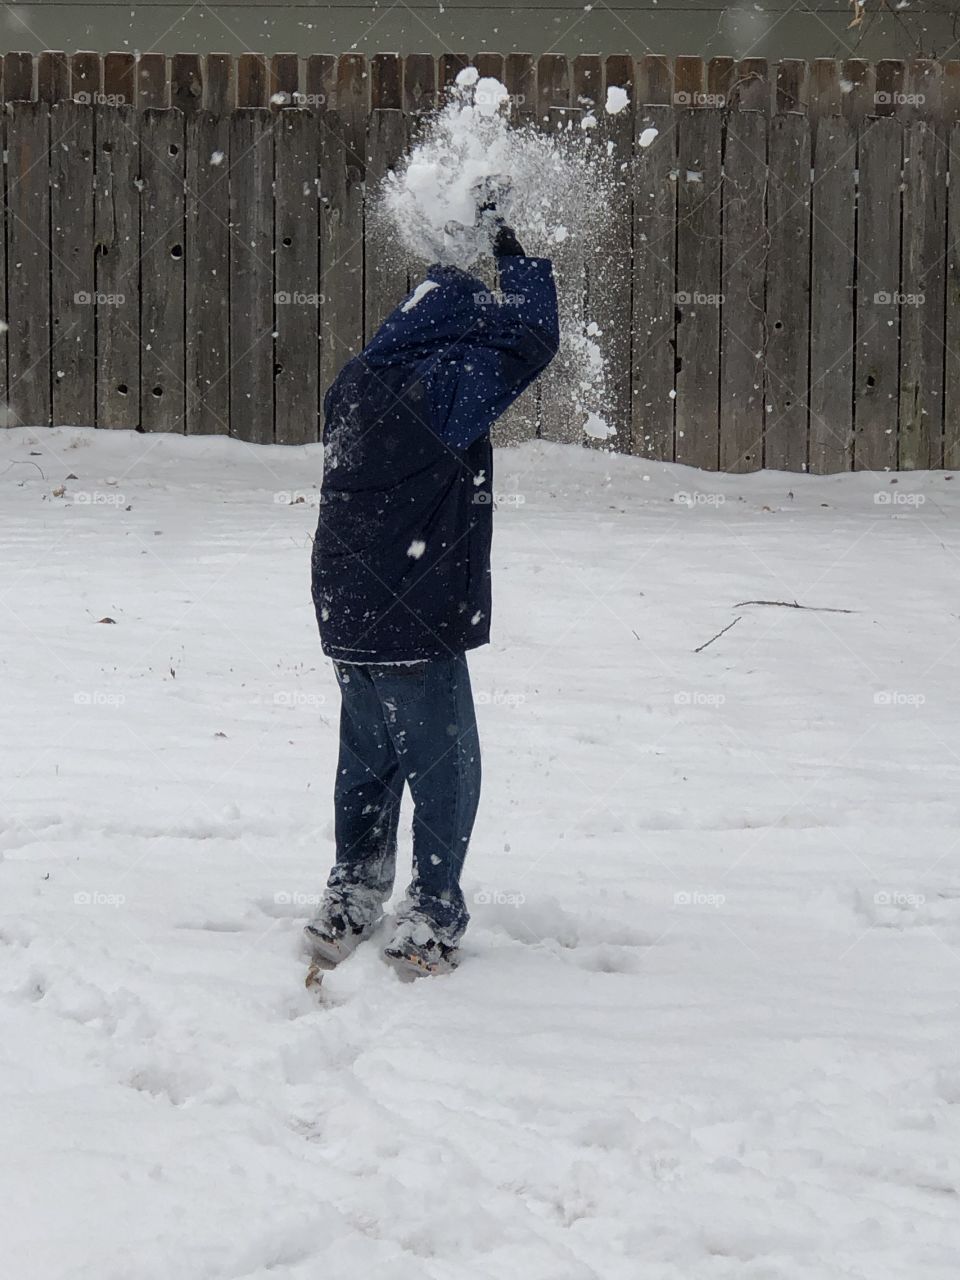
<point>505,242</point>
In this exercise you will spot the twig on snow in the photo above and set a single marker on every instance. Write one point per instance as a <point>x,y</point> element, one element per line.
<point>793,604</point>
<point>23,462</point>
<point>717,636</point>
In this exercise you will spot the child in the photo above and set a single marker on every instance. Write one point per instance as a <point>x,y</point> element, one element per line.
<point>401,586</point>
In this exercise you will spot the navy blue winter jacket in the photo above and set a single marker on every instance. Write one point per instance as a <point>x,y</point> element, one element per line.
<point>401,559</point>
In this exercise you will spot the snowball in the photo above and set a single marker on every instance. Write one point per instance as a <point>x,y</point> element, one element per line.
<point>596,428</point>
<point>647,136</point>
<point>617,99</point>
<point>489,95</point>
<point>467,77</point>
<point>416,549</point>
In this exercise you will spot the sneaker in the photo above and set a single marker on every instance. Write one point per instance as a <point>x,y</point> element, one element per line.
<point>341,924</point>
<point>415,950</point>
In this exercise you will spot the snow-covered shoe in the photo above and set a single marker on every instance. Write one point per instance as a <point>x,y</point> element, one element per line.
<point>415,950</point>
<point>347,915</point>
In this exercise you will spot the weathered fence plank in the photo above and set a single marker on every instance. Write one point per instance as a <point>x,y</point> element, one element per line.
<point>654,81</point>
<point>207,307</point>
<point>72,282</point>
<point>788,294</point>
<point>858,87</point>
<point>53,76</point>
<point>386,82</point>
<point>689,82</point>
<point>320,82</point>
<point>119,85</point>
<point>28,262</point>
<point>298,297</point>
<point>698,288</point>
<point>826,93</point>
<point>152,82</point>
<point>117,238</point>
<point>385,272</point>
<point>720,77</point>
<point>162,299</point>
<point>86,76</point>
<point>560,417</point>
<point>878,283</point>
<point>18,77</point>
<point>587,80</point>
<point>922,298</point>
<point>284,79</point>
<point>520,78</point>
<point>609,288</point>
<point>353,106</point>
<point>7,415</point>
<point>253,76</point>
<point>833,276</point>
<point>742,289</point>
<point>751,89</point>
<point>419,82</point>
<point>341,252</point>
<point>951,406</point>
<point>792,85</point>
<point>251,275</point>
<point>653,360</point>
<point>186,82</point>
<point>220,83</point>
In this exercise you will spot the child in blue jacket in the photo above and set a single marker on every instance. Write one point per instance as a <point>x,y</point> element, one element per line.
<point>401,586</point>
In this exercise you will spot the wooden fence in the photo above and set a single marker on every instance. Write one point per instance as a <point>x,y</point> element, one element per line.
<point>778,281</point>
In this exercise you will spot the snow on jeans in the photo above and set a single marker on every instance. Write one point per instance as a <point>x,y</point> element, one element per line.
<point>412,723</point>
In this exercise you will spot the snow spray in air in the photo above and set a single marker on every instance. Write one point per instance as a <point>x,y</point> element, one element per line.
<point>563,182</point>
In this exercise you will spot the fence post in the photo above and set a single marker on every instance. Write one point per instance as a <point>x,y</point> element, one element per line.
<point>742,287</point>
<point>207,308</point>
<point>653,357</point>
<point>298,298</point>
<point>833,279</point>
<point>251,275</point>
<point>922,282</point>
<point>698,287</point>
<point>878,282</point>
<point>788,294</point>
<point>28,262</point>
<point>117,240</point>
<point>162,300</point>
<point>73,279</point>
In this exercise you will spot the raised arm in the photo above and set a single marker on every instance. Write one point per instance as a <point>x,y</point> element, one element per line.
<point>513,339</point>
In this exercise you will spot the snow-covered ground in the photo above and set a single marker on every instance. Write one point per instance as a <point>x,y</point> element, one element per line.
<point>706,1024</point>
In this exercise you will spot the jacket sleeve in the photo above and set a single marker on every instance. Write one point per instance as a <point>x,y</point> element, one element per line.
<point>515,336</point>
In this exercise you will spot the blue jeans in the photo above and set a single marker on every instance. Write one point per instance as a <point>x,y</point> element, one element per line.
<point>412,724</point>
